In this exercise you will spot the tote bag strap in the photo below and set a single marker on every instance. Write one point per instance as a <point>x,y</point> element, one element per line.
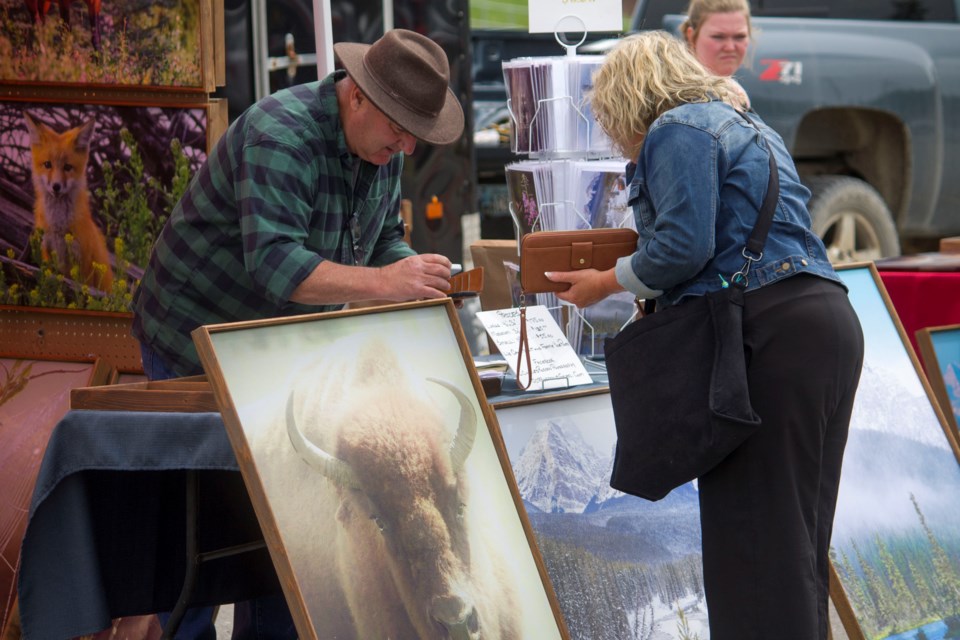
<point>758,237</point>
<point>753,251</point>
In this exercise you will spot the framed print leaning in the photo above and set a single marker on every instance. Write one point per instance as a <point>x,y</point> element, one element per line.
<point>896,535</point>
<point>378,476</point>
<point>940,349</point>
<point>623,568</point>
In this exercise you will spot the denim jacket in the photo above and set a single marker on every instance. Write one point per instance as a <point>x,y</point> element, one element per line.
<point>696,189</point>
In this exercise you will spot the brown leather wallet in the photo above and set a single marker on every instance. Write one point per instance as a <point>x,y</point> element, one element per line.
<point>543,251</point>
<point>466,284</point>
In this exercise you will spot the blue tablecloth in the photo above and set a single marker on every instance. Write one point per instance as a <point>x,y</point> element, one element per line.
<point>106,536</point>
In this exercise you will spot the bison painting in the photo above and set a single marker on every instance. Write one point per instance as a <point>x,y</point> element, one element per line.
<point>390,529</point>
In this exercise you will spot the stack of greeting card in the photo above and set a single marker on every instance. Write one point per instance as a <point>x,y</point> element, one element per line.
<point>573,179</point>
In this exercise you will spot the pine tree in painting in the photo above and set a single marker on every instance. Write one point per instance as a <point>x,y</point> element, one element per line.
<point>947,579</point>
<point>902,601</point>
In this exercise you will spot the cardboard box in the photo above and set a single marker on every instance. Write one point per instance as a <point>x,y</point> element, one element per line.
<point>491,254</point>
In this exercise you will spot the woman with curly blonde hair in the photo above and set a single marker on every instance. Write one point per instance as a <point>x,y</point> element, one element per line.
<point>698,176</point>
<point>626,102</point>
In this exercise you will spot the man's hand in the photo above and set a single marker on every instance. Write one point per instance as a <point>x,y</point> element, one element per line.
<point>418,277</point>
<point>412,278</point>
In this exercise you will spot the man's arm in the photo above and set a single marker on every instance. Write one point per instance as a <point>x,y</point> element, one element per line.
<point>412,278</point>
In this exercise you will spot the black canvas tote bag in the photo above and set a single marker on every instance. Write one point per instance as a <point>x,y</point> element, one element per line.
<point>678,383</point>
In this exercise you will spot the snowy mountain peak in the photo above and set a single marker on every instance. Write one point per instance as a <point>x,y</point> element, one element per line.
<point>557,470</point>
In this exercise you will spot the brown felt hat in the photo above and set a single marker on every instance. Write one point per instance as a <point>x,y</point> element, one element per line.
<point>406,76</point>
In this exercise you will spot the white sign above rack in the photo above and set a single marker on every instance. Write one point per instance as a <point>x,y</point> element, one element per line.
<point>550,16</point>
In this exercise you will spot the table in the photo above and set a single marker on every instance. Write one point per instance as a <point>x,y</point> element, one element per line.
<point>923,298</point>
<point>510,393</point>
<point>107,530</point>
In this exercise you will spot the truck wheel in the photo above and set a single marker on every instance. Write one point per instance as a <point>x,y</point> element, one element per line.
<point>852,219</point>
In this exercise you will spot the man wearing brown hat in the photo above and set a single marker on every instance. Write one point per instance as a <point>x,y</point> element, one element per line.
<point>297,211</point>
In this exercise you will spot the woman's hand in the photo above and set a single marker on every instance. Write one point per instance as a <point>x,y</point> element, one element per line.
<point>587,286</point>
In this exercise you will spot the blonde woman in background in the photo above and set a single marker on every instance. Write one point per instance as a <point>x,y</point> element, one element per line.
<point>719,33</point>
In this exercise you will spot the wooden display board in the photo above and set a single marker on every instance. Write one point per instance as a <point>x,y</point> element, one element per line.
<point>178,395</point>
<point>66,334</point>
<point>34,396</point>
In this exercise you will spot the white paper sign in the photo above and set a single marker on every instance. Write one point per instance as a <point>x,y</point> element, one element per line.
<point>555,363</point>
<point>548,16</point>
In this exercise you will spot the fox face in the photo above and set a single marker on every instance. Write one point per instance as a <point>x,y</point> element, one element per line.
<point>62,204</point>
<point>59,159</point>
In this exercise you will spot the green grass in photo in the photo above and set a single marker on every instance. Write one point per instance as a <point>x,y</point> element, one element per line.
<point>153,42</point>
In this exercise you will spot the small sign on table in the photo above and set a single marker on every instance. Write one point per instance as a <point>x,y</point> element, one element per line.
<point>555,363</point>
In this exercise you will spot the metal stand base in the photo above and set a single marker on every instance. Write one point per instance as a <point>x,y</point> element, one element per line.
<point>195,557</point>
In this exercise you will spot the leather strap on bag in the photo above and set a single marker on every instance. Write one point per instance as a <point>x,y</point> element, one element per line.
<point>753,251</point>
<point>758,237</point>
<point>524,347</point>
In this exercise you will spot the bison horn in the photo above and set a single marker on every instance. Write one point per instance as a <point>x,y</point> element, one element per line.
<point>334,469</point>
<point>466,431</point>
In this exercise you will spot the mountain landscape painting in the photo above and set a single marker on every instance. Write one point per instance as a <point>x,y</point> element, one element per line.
<point>940,348</point>
<point>623,568</point>
<point>896,537</point>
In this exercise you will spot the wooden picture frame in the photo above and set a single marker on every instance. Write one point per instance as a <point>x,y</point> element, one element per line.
<point>138,160</point>
<point>351,503</point>
<point>896,526</point>
<point>141,46</point>
<point>612,557</point>
<point>178,395</point>
<point>34,396</point>
<point>940,350</point>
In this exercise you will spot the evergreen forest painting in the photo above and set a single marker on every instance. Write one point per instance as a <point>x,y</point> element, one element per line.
<point>896,537</point>
<point>623,568</point>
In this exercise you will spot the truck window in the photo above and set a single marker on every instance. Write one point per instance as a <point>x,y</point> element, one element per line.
<point>650,13</point>
<point>913,10</point>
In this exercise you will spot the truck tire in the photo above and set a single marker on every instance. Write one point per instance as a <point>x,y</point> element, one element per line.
<point>852,219</point>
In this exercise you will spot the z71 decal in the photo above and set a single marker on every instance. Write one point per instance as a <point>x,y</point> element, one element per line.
<point>782,71</point>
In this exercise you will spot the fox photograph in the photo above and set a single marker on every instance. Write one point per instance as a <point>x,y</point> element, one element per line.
<point>84,190</point>
<point>157,43</point>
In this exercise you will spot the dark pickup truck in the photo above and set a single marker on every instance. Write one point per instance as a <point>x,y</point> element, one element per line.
<point>866,96</point>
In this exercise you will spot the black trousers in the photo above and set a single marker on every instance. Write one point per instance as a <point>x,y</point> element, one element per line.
<point>767,510</point>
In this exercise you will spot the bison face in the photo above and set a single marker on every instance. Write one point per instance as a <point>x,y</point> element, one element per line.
<point>405,547</point>
<point>429,558</point>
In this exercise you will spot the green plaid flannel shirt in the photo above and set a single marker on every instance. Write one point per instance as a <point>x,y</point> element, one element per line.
<point>275,198</point>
